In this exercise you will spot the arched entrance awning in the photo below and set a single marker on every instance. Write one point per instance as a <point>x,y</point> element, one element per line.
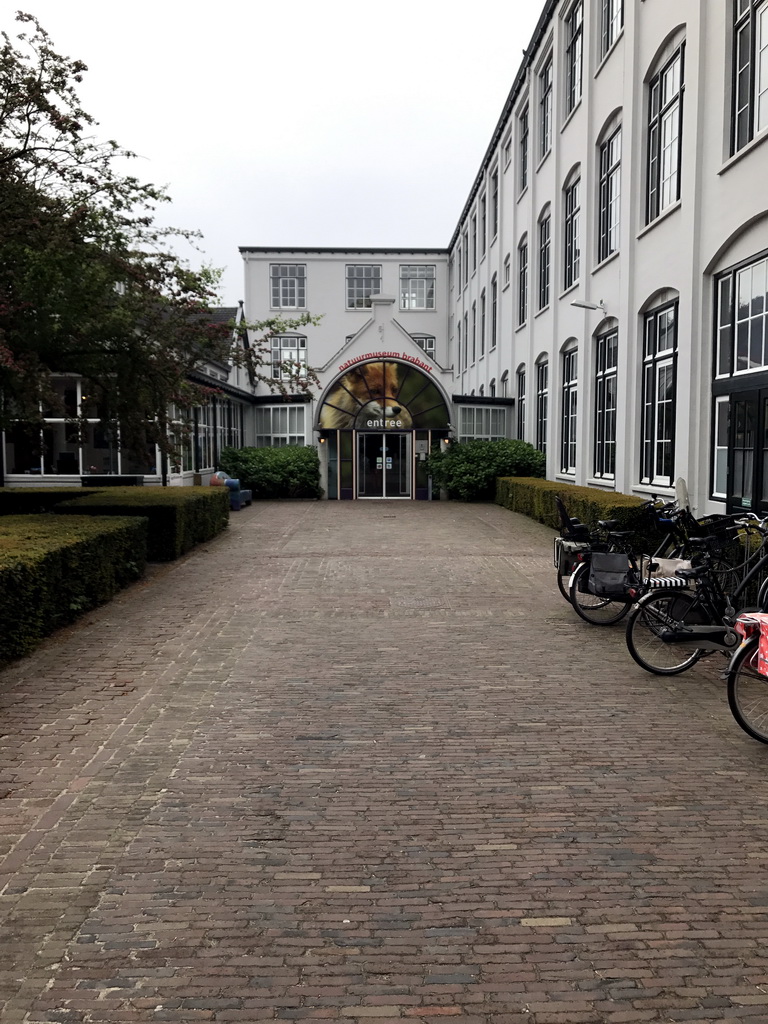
<point>383,394</point>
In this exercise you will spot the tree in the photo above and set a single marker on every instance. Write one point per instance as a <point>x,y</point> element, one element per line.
<point>89,283</point>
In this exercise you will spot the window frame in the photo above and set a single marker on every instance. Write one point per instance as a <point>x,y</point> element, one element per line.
<point>522,281</point>
<point>664,158</point>
<point>523,147</point>
<point>611,24</point>
<point>745,110</point>
<point>572,231</point>
<point>658,364</point>
<point>363,300</point>
<point>544,259</point>
<point>520,402</point>
<point>545,80</point>
<point>542,403</point>
<point>413,288</point>
<point>574,56</point>
<point>276,282</point>
<point>569,395</point>
<point>280,343</point>
<point>609,196</point>
<point>606,404</point>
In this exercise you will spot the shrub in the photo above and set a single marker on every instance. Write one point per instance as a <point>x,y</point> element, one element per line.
<point>288,472</point>
<point>468,471</point>
<point>179,517</point>
<point>53,568</point>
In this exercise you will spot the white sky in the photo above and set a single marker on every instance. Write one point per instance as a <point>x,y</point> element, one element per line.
<point>297,122</point>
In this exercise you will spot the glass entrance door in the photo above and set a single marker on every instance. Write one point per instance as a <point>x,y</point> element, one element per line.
<point>383,465</point>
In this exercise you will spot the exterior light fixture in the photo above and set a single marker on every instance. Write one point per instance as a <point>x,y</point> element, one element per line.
<point>591,305</point>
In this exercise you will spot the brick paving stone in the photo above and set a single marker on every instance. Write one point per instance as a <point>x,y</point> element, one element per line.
<point>361,761</point>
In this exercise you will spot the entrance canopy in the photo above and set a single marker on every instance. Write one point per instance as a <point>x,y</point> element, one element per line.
<point>383,394</point>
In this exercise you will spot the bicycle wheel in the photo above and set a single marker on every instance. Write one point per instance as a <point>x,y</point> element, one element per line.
<point>748,691</point>
<point>646,625</point>
<point>599,611</point>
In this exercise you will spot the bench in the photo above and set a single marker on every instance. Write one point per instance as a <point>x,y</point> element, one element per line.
<point>238,496</point>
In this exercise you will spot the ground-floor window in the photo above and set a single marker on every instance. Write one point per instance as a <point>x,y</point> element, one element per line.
<point>521,404</point>
<point>606,362</point>
<point>486,423</point>
<point>569,404</point>
<point>720,454</point>
<point>280,425</point>
<point>542,402</point>
<point>657,456</point>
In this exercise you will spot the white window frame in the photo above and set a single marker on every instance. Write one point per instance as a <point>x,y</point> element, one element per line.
<point>569,395</point>
<point>363,281</point>
<point>289,356</point>
<point>288,285</point>
<point>417,286</point>
<point>287,425</point>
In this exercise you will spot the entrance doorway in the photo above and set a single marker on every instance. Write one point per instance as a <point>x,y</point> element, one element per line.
<point>383,465</point>
<point>748,452</point>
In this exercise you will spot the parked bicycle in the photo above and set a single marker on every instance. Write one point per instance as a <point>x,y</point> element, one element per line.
<point>748,677</point>
<point>669,630</point>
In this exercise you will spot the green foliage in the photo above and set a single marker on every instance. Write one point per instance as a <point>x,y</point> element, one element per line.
<point>179,517</point>
<point>289,472</point>
<point>52,569</point>
<point>468,471</point>
<point>535,498</point>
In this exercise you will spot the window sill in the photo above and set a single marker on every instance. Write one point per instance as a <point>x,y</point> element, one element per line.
<point>567,478</point>
<point>571,288</point>
<point>662,216</point>
<point>522,194</point>
<point>543,160</point>
<point>649,489</point>
<point>606,485</point>
<point>521,327</point>
<point>540,312</point>
<point>608,259</point>
<point>744,151</point>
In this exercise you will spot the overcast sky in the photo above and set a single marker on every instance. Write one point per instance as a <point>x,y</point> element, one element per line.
<point>297,123</point>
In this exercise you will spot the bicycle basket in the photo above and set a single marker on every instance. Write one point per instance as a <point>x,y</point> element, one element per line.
<point>609,574</point>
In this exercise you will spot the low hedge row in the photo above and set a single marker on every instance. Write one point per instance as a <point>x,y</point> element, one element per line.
<point>468,470</point>
<point>179,517</point>
<point>536,499</point>
<point>52,569</point>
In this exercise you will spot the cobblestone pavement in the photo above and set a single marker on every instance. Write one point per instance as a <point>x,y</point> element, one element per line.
<point>362,761</point>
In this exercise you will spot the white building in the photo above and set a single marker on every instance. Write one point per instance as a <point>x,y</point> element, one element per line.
<point>604,293</point>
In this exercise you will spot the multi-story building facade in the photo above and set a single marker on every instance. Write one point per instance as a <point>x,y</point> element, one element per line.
<point>604,294</point>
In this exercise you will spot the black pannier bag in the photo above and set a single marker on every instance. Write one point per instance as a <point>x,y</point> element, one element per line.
<point>609,574</point>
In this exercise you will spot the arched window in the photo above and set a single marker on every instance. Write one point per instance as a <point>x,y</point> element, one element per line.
<point>520,401</point>
<point>572,228</point>
<point>609,189</point>
<point>569,396</point>
<point>665,129</point>
<point>522,281</point>
<point>542,402</point>
<point>544,256</point>
<point>606,364</point>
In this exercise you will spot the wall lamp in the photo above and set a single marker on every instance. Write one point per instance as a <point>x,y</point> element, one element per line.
<point>591,305</point>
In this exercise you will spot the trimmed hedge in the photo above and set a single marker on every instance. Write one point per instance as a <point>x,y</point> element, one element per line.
<point>52,569</point>
<point>179,517</point>
<point>21,501</point>
<point>469,470</point>
<point>536,499</point>
<point>288,472</point>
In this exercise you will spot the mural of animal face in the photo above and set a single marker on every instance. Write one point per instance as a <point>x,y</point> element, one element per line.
<point>369,390</point>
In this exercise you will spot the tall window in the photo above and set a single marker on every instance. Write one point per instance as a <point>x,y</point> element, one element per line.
<point>545,108</point>
<point>495,203</point>
<point>611,23</point>
<point>474,332</point>
<point>544,255</point>
<point>459,363</point>
<point>521,404</point>
<point>742,318</point>
<point>473,232</point>
<point>289,356</point>
<point>569,397</point>
<point>542,401</point>
<point>417,287</point>
<point>610,196</point>
<point>665,129</point>
<point>572,218</point>
<point>483,223</point>
<point>466,341</point>
<point>288,285</point>
<point>466,256</point>
<point>522,149</point>
<point>750,70</point>
<point>458,266</point>
<point>482,323</point>
<point>607,349</point>
<point>657,457</point>
<point>504,384</point>
<point>574,46</point>
<point>522,282</point>
<point>494,309</point>
<point>362,282</point>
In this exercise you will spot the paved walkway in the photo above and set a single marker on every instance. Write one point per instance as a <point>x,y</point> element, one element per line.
<point>362,761</point>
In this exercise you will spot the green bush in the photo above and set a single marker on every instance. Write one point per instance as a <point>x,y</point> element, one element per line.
<point>179,517</point>
<point>19,501</point>
<point>288,472</point>
<point>535,498</point>
<point>52,569</point>
<point>468,471</point>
